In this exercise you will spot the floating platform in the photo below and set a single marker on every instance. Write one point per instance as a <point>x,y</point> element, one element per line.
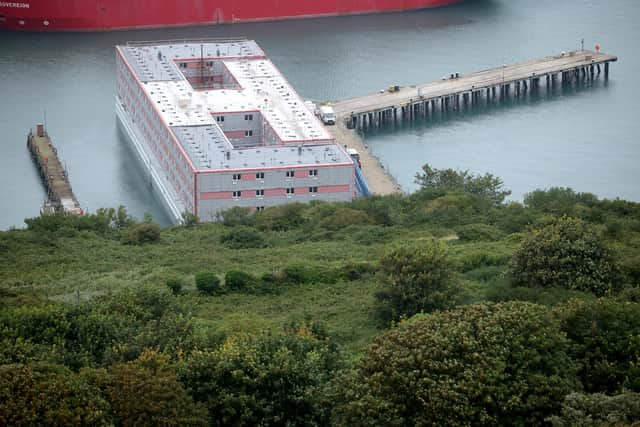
<point>60,197</point>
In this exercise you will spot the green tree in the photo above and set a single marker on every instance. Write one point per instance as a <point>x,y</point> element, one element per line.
<point>485,364</point>
<point>418,278</point>
<point>50,395</point>
<point>266,380</point>
<point>147,392</point>
<point>566,253</point>
<point>484,186</point>
<point>605,337</point>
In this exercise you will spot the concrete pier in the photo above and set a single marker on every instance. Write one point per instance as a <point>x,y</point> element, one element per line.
<point>455,91</point>
<point>380,182</point>
<point>60,197</point>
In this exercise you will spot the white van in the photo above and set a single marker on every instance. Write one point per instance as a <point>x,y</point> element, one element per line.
<point>327,115</point>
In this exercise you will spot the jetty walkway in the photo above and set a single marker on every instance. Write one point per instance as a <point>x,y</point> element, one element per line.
<point>453,93</point>
<point>60,197</point>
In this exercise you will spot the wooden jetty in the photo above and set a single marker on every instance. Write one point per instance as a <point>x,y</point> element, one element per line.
<point>460,91</point>
<point>60,197</point>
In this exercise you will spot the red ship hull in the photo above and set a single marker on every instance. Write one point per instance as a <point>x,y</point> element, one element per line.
<point>104,15</point>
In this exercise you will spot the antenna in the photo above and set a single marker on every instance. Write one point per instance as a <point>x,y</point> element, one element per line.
<point>202,66</point>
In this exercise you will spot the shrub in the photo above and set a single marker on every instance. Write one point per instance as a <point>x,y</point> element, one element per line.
<point>379,208</point>
<point>207,282</point>
<point>243,238</point>
<point>631,294</point>
<point>357,270</point>
<point>189,219</point>
<point>238,280</point>
<point>237,216</point>
<point>479,232</point>
<point>343,217</point>
<point>281,218</point>
<point>52,395</point>
<point>605,342</point>
<point>485,273</point>
<point>566,253</point>
<point>418,278</point>
<point>175,285</point>
<point>599,410</point>
<point>369,234</point>
<point>512,217</point>
<point>481,258</point>
<point>485,364</point>
<point>147,392</point>
<point>268,379</point>
<point>295,274</point>
<point>558,200</point>
<point>141,233</point>
<point>501,291</point>
<point>630,268</point>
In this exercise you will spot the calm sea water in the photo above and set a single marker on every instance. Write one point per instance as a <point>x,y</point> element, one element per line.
<point>586,139</point>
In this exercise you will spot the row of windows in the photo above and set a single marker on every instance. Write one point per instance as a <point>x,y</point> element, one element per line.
<point>288,174</point>
<point>246,117</point>
<point>260,193</point>
<point>184,64</point>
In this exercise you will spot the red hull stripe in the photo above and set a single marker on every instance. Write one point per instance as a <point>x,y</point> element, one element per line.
<point>93,15</point>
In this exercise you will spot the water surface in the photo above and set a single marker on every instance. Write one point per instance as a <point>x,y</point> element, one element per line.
<point>586,139</point>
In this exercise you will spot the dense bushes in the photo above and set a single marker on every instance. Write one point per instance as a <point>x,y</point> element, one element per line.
<point>479,232</point>
<point>418,278</point>
<point>487,364</point>
<point>269,379</point>
<point>141,233</point>
<point>566,253</point>
<point>281,218</point>
<point>147,392</point>
<point>559,201</point>
<point>243,238</point>
<point>43,394</point>
<point>599,410</point>
<point>605,337</point>
<point>87,350</point>
<point>109,329</point>
<point>343,217</point>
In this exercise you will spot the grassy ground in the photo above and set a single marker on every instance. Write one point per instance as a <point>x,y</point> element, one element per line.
<point>70,264</point>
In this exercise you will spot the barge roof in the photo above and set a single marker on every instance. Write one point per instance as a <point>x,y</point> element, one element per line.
<point>259,88</point>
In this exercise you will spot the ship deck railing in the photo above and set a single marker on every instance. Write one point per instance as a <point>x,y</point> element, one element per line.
<point>187,41</point>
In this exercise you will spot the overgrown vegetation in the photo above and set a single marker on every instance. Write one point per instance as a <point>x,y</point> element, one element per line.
<point>526,312</point>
